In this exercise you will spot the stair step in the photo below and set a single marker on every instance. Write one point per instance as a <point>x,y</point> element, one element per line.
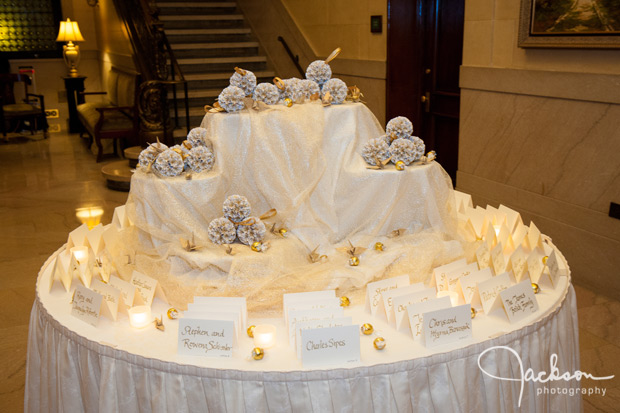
<point>215,60</point>
<point>195,94</point>
<point>197,4</point>
<point>201,17</point>
<point>185,32</point>
<point>224,75</point>
<point>228,45</point>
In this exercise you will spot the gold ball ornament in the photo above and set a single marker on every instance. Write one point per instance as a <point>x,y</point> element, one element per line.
<point>473,312</point>
<point>379,343</point>
<point>400,166</point>
<point>354,261</point>
<point>544,259</point>
<point>367,329</point>
<point>258,353</point>
<point>344,301</point>
<point>282,231</point>
<point>173,314</point>
<point>288,102</point>
<point>257,246</point>
<point>251,331</point>
<point>379,246</point>
<point>536,288</point>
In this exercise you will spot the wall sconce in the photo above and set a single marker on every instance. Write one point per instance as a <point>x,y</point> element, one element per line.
<point>70,32</point>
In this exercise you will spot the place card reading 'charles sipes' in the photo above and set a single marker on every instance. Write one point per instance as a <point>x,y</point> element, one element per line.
<point>331,345</point>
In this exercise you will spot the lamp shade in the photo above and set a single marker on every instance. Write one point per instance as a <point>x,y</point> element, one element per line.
<point>69,32</point>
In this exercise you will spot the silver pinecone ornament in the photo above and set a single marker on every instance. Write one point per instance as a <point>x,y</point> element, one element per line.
<point>249,234</point>
<point>375,150</point>
<point>403,150</point>
<point>147,156</point>
<point>319,72</point>
<point>231,99</point>
<point>243,79</point>
<point>197,137</point>
<point>169,163</point>
<point>222,231</point>
<point>200,158</point>
<point>236,208</point>
<point>400,126</point>
<point>420,147</point>
<point>337,89</point>
<point>266,92</point>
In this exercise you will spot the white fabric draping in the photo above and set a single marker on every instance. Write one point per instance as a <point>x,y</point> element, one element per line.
<point>68,372</point>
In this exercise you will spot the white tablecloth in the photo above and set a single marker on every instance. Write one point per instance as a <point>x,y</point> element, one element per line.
<point>70,372</point>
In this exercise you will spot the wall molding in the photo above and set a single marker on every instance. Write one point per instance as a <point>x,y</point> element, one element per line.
<point>592,87</point>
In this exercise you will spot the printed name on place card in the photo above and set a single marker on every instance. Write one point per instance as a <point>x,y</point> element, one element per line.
<point>535,265</point>
<point>235,317</point>
<point>447,325</point>
<point>86,305</point>
<point>148,288</point>
<point>483,255</point>
<point>312,324</point>
<point>554,268</point>
<point>296,316</point>
<point>374,299</point>
<point>330,346</point>
<point>129,292</point>
<point>415,313</point>
<point>519,301</point>
<point>469,286</point>
<point>207,338</point>
<point>498,259</point>
<point>489,291</point>
<point>305,297</point>
<point>518,261</point>
<point>319,304</point>
<point>439,273</point>
<point>388,297</point>
<point>401,302</point>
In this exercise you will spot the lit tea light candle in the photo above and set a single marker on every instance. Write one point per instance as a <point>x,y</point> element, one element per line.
<point>140,316</point>
<point>454,297</point>
<point>264,336</point>
<point>80,254</point>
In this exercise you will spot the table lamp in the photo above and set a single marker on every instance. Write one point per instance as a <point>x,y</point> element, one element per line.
<point>70,32</point>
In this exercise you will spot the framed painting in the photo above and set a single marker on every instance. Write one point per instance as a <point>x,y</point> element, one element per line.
<point>570,23</point>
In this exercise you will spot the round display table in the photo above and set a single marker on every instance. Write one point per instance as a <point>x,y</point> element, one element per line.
<point>73,366</point>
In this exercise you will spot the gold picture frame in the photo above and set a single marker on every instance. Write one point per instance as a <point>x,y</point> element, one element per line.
<point>568,24</point>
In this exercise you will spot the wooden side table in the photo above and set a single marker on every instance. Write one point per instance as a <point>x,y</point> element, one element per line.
<point>74,85</point>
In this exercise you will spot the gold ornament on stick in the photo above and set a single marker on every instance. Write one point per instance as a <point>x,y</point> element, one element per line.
<point>258,353</point>
<point>379,343</point>
<point>288,102</point>
<point>344,301</point>
<point>400,166</point>
<point>378,246</point>
<point>172,313</point>
<point>251,331</point>
<point>430,157</point>
<point>353,252</point>
<point>278,231</point>
<point>367,329</point>
<point>536,288</point>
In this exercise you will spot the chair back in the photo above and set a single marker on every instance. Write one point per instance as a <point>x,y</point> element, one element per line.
<point>7,82</point>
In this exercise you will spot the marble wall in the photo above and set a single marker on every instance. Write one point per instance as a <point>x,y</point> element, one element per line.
<point>540,132</point>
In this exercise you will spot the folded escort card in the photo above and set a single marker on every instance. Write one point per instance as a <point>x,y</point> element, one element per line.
<point>60,271</point>
<point>304,298</point>
<point>401,302</point>
<point>389,295</point>
<point>111,298</point>
<point>439,273</point>
<point>483,255</point>
<point>518,262</point>
<point>129,292</point>
<point>148,288</point>
<point>489,290</point>
<point>374,291</point>
<point>447,325</point>
<point>314,324</point>
<point>234,304</point>
<point>332,345</point>
<point>469,287</point>
<point>415,313</point>
<point>519,301</point>
<point>86,305</point>
<point>296,316</point>
<point>453,276</point>
<point>207,338</point>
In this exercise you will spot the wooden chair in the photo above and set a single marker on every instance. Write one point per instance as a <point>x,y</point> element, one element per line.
<point>115,118</point>
<point>12,113</point>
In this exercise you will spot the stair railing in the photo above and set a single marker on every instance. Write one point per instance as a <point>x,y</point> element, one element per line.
<point>152,54</point>
<point>294,58</point>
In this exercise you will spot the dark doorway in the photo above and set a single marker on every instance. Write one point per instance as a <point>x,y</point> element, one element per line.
<point>424,53</point>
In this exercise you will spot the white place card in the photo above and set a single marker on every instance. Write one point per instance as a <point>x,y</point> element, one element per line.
<point>322,303</point>
<point>439,273</point>
<point>401,302</point>
<point>94,239</point>
<point>469,286</point>
<point>518,261</point>
<point>309,315</point>
<point>554,268</point>
<point>513,218</point>
<point>452,277</point>
<point>313,324</point>
<point>216,314</point>
<point>110,237</point>
<point>86,305</point>
<point>129,292</point>
<point>466,228</point>
<point>305,297</point>
<point>81,271</point>
<point>535,264</point>
<point>498,259</point>
<point>77,237</point>
<point>148,288</point>
<point>447,325</point>
<point>330,346</point>
<point>490,236</point>
<point>374,291</point>
<point>239,302</point>
<point>120,219</point>
<point>519,301</point>
<point>489,290</point>
<point>483,255</point>
<point>519,235</point>
<point>463,201</point>
<point>476,218</point>
<point>388,297</point>
<point>415,313</point>
<point>60,271</point>
<point>208,338</point>
<point>111,298</point>
<point>534,238</point>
